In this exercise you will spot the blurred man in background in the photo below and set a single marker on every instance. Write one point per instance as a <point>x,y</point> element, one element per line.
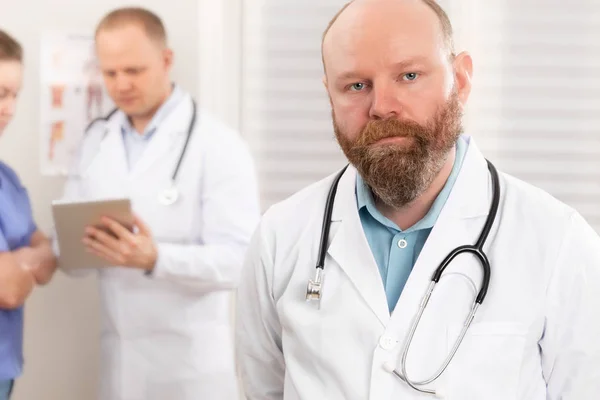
<point>166,288</point>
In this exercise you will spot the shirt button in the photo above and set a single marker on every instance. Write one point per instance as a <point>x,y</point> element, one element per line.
<point>402,243</point>
<point>387,342</point>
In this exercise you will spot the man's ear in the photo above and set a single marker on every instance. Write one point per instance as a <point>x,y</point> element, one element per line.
<point>463,72</point>
<point>168,57</point>
<point>325,83</point>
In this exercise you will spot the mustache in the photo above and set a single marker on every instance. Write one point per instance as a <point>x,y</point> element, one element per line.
<point>376,130</point>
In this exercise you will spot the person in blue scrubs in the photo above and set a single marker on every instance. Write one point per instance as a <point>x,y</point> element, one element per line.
<point>26,257</point>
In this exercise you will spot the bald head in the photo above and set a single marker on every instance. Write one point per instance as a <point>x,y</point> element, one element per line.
<point>151,23</point>
<point>397,8</point>
<point>390,71</point>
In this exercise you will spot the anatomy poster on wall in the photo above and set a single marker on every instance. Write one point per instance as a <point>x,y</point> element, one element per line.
<point>72,95</point>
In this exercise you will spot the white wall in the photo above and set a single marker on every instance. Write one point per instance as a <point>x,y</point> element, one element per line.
<point>61,322</point>
<point>220,67</point>
<point>220,58</point>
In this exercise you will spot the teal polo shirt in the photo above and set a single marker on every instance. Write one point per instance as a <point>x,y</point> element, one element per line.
<point>395,250</point>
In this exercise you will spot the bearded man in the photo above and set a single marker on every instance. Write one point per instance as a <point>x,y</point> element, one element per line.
<point>516,273</point>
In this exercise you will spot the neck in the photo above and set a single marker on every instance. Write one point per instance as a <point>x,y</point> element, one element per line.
<point>412,213</point>
<point>140,122</point>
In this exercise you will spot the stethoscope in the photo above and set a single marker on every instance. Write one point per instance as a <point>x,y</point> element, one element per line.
<point>169,195</point>
<point>314,289</point>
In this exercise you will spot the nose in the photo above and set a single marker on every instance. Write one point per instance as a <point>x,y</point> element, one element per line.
<point>7,106</point>
<point>385,103</point>
<point>122,83</point>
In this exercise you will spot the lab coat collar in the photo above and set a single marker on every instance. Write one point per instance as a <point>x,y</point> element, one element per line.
<point>472,193</point>
<point>112,148</point>
<point>470,198</point>
<point>163,112</point>
<point>350,249</point>
<point>175,124</point>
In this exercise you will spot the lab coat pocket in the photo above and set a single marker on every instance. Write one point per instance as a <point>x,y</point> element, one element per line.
<point>488,362</point>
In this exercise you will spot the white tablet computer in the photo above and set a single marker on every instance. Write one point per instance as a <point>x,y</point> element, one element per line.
<point>70,221</point>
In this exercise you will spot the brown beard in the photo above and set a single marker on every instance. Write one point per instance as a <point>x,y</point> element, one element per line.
<point>399,173</point>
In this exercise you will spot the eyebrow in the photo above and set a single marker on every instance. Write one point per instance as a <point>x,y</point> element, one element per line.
<point>348,75</point>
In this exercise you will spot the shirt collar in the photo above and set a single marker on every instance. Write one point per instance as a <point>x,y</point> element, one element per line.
<point>366,202</point>
<point>163,111</point>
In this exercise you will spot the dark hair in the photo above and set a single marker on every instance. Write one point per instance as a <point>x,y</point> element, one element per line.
<point>10,49</point>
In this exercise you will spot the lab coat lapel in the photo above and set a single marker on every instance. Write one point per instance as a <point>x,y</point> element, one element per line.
<point>111,154</point>
<point>350,249</point>
<point>459,223</point>
<point>166,138</point>
<point>106,173</point>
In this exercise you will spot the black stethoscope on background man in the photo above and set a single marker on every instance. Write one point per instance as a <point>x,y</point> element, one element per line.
<point>314,288</point>
<point>170,195</point>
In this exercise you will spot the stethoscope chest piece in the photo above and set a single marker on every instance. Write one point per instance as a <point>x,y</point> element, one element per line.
<point>169,196</point>
<point>314,287</point>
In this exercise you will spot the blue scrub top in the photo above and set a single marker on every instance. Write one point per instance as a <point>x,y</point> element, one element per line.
<point>16,228</point>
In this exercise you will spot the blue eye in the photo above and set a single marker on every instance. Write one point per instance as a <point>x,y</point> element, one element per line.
<point>357,87</point>
<point>411,76</point>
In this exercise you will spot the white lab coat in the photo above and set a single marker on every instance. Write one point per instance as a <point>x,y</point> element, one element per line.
<point>169,336</point>
<point>536,336</point>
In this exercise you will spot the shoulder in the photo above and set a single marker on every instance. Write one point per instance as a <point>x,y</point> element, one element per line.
<point>548,224</point>
<point>215,130</point>
<point>8,176</point>
<point>6,172</point>
<point>100,120</point>
<point>218,140</point>
<point>289,233</point>
<point>526,199</point>
<point>299,212</point>
<point>538,206</point>
<point>303,200</point>
<point>96,129</point>
<point>92,137</point>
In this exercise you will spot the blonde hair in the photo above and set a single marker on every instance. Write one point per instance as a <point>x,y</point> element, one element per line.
<point>150,22</point>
